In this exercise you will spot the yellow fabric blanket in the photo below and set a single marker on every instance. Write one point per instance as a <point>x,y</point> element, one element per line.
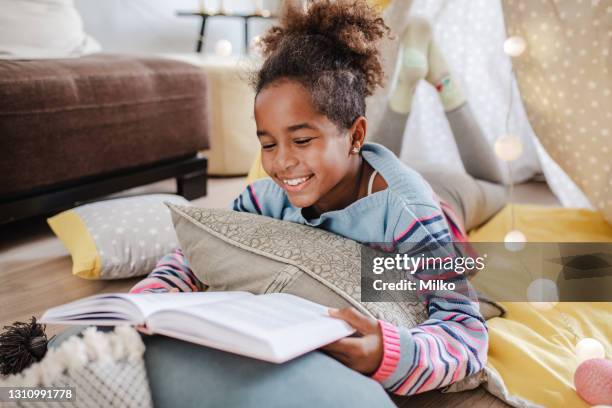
<point>533,350</point>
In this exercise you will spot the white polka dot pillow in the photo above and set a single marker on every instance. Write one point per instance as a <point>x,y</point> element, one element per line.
<point>117,238</point>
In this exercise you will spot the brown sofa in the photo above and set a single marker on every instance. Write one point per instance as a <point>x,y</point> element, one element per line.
<point>72,130</point>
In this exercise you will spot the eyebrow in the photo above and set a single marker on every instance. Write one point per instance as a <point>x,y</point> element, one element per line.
<point>291,128</point>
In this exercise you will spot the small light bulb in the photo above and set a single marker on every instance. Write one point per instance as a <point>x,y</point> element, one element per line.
<point>508,148</point>
<point>256,44</point>
<point>543,294</point>
<point>514,241</point>
<point>223,48</point>
<point>515,46</point>
<point>589,348</point>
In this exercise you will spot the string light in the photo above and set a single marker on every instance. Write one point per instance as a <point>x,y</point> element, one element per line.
<point>515,46</point>
<point>543,294</point>
<point>223,48</point>
<point>258,6</point>
<point>515,240</point>
<point>256,44</point>
<point>593,382</point>
<point>588,348</point>
<point>508,147</point>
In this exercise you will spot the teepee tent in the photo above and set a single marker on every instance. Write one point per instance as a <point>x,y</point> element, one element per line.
<point>554,97</point>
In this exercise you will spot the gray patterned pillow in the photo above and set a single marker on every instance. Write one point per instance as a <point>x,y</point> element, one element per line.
<point>230,250</point>
<point>117,238</point>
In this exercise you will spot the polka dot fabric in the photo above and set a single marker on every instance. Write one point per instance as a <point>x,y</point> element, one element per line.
<point>566,85</point>
<point>131,234</point>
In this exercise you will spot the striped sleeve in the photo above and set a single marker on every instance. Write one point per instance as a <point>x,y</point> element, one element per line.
<point>247,201</point>
<point>452,343</point>
<point>171,272</point>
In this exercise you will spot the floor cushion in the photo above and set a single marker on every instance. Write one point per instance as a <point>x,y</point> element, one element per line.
<point>188,375</point>
<point>532,351</point>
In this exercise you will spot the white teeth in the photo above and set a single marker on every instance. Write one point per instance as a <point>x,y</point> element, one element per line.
<point>296,181</point>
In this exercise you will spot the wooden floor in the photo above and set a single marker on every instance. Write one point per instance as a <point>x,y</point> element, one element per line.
<point>35,267</point>
<point>35,274</point>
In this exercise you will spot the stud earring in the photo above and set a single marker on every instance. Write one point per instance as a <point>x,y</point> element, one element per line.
<point>355,149</point>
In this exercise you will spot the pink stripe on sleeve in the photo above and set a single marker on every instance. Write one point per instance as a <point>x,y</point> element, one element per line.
<point>418,370</point>
<point>400,236</point>
<point>437,366</point>
<point>153,285</point>
<point>255,196</point>
<point>391,352</point>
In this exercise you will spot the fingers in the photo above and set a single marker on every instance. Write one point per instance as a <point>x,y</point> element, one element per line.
<point>348,346</point>
<point>338,350</point>
<point>359,353</point>
<point>174,290</point>
<point>143,329</point>
<point>362,323</point>
<point>343,358</point>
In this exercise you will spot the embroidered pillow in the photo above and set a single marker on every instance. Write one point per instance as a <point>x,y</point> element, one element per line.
<point>230,250</point>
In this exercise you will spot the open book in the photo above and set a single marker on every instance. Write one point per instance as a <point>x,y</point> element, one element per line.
<point>275,327</point>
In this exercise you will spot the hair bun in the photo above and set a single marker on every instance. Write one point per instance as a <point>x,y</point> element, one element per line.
<point>352,26</point>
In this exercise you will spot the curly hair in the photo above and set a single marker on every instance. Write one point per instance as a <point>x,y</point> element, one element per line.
<point>331,48</point>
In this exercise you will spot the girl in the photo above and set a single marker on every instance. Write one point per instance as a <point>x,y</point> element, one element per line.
<point>321,63</point>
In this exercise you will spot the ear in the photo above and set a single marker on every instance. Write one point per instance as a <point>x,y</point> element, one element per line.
<point>357,131</point>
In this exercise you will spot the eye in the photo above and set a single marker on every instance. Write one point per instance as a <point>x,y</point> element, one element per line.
<point>303,141</point>
<point>268,146</point>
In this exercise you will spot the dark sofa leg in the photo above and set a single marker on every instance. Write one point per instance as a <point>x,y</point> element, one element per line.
<point>192,185</point>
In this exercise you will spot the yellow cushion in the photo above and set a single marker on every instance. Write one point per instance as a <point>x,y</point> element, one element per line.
<point>533,350</point>
<point>257,172</point>
<point>379,3</point>
<point>70,228</point>
<point>118,238</point>
<point>546,224</point>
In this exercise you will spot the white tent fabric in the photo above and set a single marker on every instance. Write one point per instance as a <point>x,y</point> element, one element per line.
<point>471,35</point>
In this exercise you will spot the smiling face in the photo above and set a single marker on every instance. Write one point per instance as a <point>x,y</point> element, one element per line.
<point>303,151</point>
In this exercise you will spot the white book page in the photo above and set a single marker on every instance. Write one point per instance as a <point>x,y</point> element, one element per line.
<point>149,303</point>
<point>273,327</point>
<point>114,308</point>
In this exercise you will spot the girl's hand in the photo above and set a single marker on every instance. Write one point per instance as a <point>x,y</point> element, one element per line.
<point>364,353</point>
<point>142,328</point>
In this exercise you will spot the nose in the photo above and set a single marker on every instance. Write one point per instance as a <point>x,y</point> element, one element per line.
<point>285,158</point>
